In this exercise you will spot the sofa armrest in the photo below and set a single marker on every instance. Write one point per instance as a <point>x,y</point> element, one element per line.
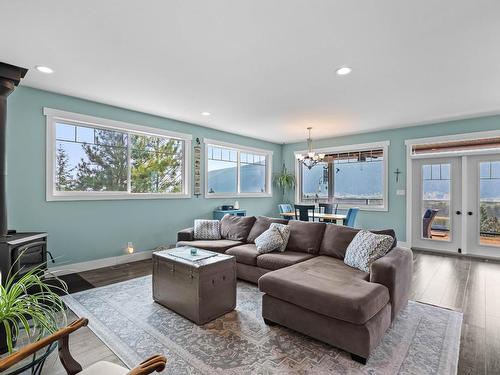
<point>185,235</point>
<point>394,270</point>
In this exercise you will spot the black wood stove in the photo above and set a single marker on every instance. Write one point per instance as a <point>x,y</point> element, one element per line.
<point>18,251</point>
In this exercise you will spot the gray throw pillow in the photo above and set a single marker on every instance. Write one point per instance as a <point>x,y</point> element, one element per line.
<point>206,229</point>
<point>366,248</point>
<point>284,231</point>
<point>269,241</point>
<point>233,227</point>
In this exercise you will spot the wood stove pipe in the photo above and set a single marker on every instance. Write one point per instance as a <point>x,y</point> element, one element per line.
<point>10,76</point>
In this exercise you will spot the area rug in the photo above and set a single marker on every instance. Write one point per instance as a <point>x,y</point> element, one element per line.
<point>424,339</point>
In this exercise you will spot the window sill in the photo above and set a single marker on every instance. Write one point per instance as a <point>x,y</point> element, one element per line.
<point>243,195</point>
<point>111,196</point>
<point>361,208</point>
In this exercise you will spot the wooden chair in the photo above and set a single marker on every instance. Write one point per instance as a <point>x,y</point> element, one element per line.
<point>150,365</point>
<point>303,212</point>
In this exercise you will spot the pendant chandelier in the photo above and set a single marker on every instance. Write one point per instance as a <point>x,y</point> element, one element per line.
<point>310,159</point>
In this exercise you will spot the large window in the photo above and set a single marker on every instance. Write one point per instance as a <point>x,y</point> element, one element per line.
<point>236,171</point>
<point>91,158</point>
<point>350,176</point>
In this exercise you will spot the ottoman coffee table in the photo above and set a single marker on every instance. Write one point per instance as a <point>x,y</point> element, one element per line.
<point>200,287</point>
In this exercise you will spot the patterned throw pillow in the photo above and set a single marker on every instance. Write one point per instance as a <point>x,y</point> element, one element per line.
<point>269,241</point>
<point>365,248</point>
<point>284,232</point>
<point>206,229</point>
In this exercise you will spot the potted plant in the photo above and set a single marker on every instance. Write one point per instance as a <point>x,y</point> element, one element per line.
<point>28,302</point>
<point>284,181</point>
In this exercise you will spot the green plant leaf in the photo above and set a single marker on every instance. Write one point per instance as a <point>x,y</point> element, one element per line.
<point>27,301</point>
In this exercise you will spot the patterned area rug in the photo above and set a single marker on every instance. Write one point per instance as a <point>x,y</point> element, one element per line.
<point>423,340</point>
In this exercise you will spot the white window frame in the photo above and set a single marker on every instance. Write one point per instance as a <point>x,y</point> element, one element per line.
<point>269,169</point>
<point>54,115</point>
<point>384,145</point>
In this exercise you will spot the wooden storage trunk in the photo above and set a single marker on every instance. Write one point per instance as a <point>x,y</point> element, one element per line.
<point>200,291</point>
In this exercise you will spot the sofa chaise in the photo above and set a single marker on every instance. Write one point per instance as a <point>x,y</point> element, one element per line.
<point>309,288</point>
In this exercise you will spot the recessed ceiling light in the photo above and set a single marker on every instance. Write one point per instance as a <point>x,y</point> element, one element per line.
<point>343,71</point>
<point>44,69</point>
<point>205,113</point>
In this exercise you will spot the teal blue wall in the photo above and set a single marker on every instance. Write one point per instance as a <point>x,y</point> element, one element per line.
<point>87,230</point>
<point>396,216</point>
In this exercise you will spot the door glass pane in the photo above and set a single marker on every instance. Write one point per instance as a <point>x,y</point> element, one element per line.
<point>436,202</point>
<point>489,203</point>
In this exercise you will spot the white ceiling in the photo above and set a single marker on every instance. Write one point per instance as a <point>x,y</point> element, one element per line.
<point>266,68</point>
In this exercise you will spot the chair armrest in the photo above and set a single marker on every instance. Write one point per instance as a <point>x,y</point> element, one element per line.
<point>155,363</point>
<point>185,235</point>
<point>394,270</point>
<point>32,348</point>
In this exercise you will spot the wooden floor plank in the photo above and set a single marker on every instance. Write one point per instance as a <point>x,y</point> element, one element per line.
<point>472,357</point>
<point>492,344</point>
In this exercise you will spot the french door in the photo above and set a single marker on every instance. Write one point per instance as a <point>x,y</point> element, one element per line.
<point>483,205</point>
<point>437,201</point>
<point>456,204</point>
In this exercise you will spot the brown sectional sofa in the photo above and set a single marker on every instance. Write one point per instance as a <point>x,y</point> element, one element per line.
<point>309,288</point>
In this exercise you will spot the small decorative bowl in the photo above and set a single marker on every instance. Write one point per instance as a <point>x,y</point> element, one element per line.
<point>194,251</point>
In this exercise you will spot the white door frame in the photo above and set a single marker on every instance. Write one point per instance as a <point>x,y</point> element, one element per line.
<point>440,139</point>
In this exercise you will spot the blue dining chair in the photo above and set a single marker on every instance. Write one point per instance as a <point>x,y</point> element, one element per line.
<point>285,208</point>
<point>351,217</point>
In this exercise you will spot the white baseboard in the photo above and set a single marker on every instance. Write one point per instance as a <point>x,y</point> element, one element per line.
<point>404,244</point>
<point>65,269</point>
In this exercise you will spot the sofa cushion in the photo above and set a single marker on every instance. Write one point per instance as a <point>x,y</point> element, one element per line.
<point>236,228</point>
<point>337,237</point>
<point>262,223</point>
<point>219,246</point>
<point>206,229</point>
<point>277,260</point>
<point>246,254</point>
<point>366,248</point>
<point>327,286</point>
<point>305,237</point>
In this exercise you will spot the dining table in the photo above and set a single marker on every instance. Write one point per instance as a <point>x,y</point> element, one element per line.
<point>318,215</point>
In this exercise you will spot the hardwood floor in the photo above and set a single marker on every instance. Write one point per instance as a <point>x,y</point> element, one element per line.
<point>464,284</point>
<point>473,287</point>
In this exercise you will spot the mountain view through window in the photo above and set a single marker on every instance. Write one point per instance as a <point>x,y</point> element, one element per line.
<point>355,178</point>
<point>224,166</point>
